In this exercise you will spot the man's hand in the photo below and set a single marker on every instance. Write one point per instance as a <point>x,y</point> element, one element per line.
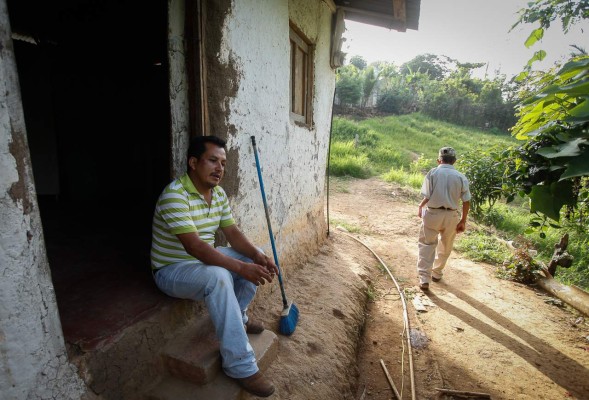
<point>255,273</point>
<point>265,261</point>
<point>461,227</point>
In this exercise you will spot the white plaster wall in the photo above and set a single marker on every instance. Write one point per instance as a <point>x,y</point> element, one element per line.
<point>178,87</point>
<point>293,157</point>
<point>33,360</point>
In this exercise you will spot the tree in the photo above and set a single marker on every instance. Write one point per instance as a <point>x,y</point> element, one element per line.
<point>435,66</point>
<point>348,85</point>
<point>554,123</point>
<point>544,12</point>
<point>370,78</point>
<point>359,62</point>
<point>552,166</point>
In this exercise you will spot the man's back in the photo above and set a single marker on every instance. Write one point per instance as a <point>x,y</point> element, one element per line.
<point>444,186</point>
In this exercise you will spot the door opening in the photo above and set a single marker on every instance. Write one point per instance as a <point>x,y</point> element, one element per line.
<point>94,85</point>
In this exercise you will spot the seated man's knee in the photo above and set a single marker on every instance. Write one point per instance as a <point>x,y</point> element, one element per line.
<point>218,277</point>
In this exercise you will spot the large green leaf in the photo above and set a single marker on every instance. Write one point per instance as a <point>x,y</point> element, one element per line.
<point>568,149</point>
<point>578,166</point>
<point>573,67</point>
<point>549,199</point>
<point>581,110</point>
<point>577,88</point>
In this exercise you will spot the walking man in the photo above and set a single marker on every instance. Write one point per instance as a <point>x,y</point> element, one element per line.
<point>188,213</point>
<point>443,189</point>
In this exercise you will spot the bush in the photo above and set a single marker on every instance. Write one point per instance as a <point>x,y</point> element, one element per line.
<point>485,176</point>
<point>397,102</point>
<point>422,164</point>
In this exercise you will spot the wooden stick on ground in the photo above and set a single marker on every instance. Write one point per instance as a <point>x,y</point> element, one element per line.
<point>464,393</point>
<point>386,372</point>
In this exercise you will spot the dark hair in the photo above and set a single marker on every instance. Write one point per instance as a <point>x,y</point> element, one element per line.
<point>448,159</point>
<point>198,146</point>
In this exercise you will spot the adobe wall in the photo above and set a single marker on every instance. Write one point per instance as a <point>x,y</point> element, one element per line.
<point>248,84</point>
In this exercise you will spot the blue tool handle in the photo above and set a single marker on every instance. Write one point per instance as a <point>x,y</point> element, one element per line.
<point>284,300</point>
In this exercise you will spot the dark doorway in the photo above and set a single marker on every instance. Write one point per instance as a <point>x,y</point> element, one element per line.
<point>94,84</point>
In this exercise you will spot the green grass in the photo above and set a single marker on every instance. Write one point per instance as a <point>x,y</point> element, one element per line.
<point>513,222</point>
<point>415,134</point>
<point>401,149</point>
<point>478,245</point>
<point>404,178</point>
<point>395,142</point>
<point>349,227</point>
<point>346,160</point>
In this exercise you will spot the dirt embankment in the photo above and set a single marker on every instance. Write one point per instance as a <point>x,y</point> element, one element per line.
<point>478,333</point>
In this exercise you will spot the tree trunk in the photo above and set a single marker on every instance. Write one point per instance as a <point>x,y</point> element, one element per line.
<point>572,295</point>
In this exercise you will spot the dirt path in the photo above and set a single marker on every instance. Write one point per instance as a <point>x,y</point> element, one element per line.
<point>479,334</point>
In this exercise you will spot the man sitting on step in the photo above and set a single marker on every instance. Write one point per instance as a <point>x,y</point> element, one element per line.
<point>186,265</point>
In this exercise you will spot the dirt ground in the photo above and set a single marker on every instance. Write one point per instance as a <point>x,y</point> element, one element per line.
<point>478,333</point>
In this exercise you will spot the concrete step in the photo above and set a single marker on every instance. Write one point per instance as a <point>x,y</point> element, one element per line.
<point>204,379</point>
<point>193,355</point>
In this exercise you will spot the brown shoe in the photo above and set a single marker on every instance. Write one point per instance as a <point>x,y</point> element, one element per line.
<point>436,279</point>
<point>254,327</point>
<point>424,286</point>
<point>257,385</point>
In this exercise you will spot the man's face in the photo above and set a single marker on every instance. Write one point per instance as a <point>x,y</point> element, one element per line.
<point>207,171</point>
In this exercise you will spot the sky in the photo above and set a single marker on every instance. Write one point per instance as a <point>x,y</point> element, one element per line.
<point>466,30</point>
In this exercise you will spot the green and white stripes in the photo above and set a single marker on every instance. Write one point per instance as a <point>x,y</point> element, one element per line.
<point>182,209</point>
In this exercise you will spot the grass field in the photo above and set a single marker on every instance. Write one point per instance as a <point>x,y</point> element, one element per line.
<point>401,149</point>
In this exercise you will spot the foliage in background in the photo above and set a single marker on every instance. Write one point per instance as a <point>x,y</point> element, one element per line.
<point>399,94</point>
<point>464,100</point>
<point>348,85</point>
<point>435,67</point>
<point>358,62</point>
<point>484,170</point>
<point>438,86</point>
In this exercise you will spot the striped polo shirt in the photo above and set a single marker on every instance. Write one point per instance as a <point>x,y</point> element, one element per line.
<point>182,209</point>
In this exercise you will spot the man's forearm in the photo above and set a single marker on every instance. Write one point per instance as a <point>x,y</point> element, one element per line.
<point>204,252</point>
<point>465,209</point>
<point>421,205</point>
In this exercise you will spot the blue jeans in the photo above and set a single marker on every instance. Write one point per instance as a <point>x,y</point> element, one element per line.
<point>227,296</point>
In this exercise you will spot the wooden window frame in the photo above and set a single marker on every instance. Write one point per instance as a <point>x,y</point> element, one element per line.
<point>297,41</point>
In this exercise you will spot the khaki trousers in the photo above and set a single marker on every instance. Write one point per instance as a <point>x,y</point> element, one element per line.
<point>436,238</point>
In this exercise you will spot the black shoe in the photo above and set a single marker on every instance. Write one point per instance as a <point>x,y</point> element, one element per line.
<point>424,286</point>
<point>436,279</point>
